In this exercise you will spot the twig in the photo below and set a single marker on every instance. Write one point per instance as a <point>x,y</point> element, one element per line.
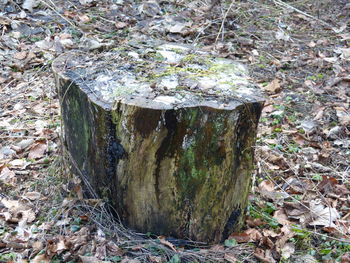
<point>280,3</point>
<point>54,9</point>
<point>223,21</point>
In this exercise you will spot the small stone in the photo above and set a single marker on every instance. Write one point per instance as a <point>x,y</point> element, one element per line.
<point>25,143</point>
<point>150,8</point>
<point>334,133</point>
<point>6,153</point>
<point>309,126</point>
<point>342,143</point>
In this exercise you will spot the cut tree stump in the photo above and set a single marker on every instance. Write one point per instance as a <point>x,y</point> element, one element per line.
<point>165,133</point>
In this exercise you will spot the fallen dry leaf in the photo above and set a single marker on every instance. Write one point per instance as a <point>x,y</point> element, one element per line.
<point>229,257</point>
<point>264,255</point>
<point>345,53</point>
<point>37,246</point>
<point>253,222</point>
<point>120,25</point>
<point>7,176</point>
<point>254,234</point>
<point>101,252</point>
<point>288,250</point>
<point>20,55</point>
<point>345,36</point>
<point>167,243</point>
<point>343,115</point>
<point>40,259</point>
<point>281,217</point>
<point>155,259</point>
<point>267,186</point>
<point>32,196</point>
<point>130,260</point>
<point>114,249</point>
<point>24,143</point>
<point>37,151</point>
<point>19,212</point>
<point>273,87</point>
<point>269,233</point>
<point>311,44</point>
<point>325,216</point>
<point>285,236</point>
<point>90,259</point>
<point>84,18</point>
<point>19,163</point>
<point>240,237</point>
<point>345,258</point>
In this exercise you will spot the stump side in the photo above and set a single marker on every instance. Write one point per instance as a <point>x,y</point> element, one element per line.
<point>173,170</point>
<point>188,174</point>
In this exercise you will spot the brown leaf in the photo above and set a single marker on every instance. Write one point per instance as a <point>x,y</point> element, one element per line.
<point>269,109</point>
<point>5,21</point>
<point>267,242</point>
<point>20,55</point>
<point>101,252</point>
<point>8,176</point>
<point>343,114</point>
<point>327,184</point>
<point>255,222</point>
<point>40,259</point>
<point>254,234</point>
<point>345,258</point>
<point>311,44</point>
<point>167,243</point>
<point>230,257</point>
<point>240,237</point>
<point>37,246</point>
<point>89,259</point>
<point>345,36</point>
<point>281,217</point>
<point>341,189</point>
<point>32,195</point>
<point>69,14</point>
<point>65,36</point>
<point>217,248</point>
<point>130,260</point>
<point>19,163</point>
<point>267,186</point>
<point>288,250</point>
<point>264,255</point>
<point>61,245</point>
<point>273,87</point>
<point>84,18</point>
<point>286,234</point>
<point>114,249</point>
<point>27,215</point>
<point>18,211</point>
<point>155,259</point>
<point>269,233</point>
<point>322,215</point>
<point>120,25</point>
<point>37,151</point>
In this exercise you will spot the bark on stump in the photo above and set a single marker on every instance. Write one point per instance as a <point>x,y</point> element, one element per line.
<point>165,133</point>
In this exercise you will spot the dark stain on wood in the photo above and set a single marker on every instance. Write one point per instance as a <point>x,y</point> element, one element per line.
<point>146,121</point>
<point>163,150</point>
<point>231,223</point>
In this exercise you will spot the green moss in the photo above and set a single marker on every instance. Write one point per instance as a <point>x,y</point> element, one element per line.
<point>200,161</point>
<point>78,123</point>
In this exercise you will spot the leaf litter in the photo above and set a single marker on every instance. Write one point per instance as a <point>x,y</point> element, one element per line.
<point>299,207</point>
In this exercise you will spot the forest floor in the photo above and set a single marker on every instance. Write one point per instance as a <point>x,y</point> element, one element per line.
<point>298,52</point>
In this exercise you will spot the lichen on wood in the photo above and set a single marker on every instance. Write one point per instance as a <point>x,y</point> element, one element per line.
<point>165,133</point>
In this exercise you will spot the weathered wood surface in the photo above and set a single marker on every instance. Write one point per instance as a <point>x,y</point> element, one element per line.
<point>165,134</point>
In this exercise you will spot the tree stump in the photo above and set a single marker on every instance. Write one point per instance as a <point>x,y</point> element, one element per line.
<point>165,133</point>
